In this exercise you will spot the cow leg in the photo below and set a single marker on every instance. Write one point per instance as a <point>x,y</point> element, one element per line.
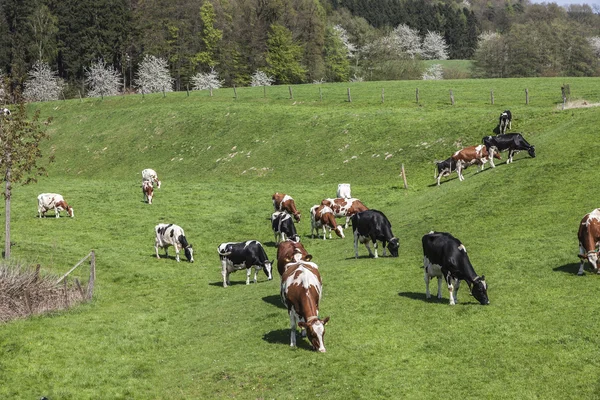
<point>510,156</point>
<point>347,221</point>
<point>450,281</point>
<point>293,323</point>
<point>491,156</point>
<point>255,273</point>
<point>56,213</point>
<point>426,278</point>
<point>156,248</point>
<point>355,243</point>
<point>456,286</point>
<point>374,246</point>
<point>329,230</point>
<point>224,273</point>
<point>177,253</point>
<point>439,293</point>
<point>459,168</point>
<point>248,272</point>
<point>580,272</point>
<point>324,232</point>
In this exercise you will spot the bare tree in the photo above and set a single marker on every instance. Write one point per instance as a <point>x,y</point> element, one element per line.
<point>103,80</point>
<point>434,47</point>
<point>19,154</point>
<point>207,80</point>
<point>43,84</point>
<point>153,75</point>
<point>260,78</point>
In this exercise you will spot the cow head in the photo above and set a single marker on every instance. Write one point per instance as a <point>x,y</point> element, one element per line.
<point>393,247</point>
<point>479,290</point>
<point>297,217</point>
<point>531,151</point>
<point>70,211</point>
<point>189,253</point>
<point>158,184</point>
<point>339,230</point>
<point>269,269</point>
<point>315,331</point>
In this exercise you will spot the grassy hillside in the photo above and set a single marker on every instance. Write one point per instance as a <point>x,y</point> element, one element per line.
<point>159,329</point>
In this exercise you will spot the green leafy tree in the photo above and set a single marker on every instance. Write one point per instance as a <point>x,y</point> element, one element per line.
<point>284,56</point>
<point>211,36</point>
<point>44,28</point>
<point>20,153</point>
<point>337,63</point>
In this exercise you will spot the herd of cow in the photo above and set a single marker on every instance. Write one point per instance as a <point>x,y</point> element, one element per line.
<point>444,256</point>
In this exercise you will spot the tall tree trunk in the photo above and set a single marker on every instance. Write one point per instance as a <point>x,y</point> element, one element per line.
<point>7,194</point>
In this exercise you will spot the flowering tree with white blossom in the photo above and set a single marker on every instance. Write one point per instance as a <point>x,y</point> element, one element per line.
<point>343,35</point>
<point>406,40</point>
<point>43,84</point>
<point>207,80</point>
<point>260,78</point>
<point>434,72</point>
<point>153,75</point>
<point>103,80</point>
<point>434,47</point>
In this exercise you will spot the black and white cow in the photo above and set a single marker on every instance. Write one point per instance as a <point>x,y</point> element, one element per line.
<point>444,168</point>
<point>5,112</point>
<point>513,142</point>
<point>172,235</point>
<point>236,256</point>
<point>371,226</point>
<point>505,121</point>
<point>445,256</point>
<point>283,227</point>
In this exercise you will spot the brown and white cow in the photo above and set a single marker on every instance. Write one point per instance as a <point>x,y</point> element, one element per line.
<point>322,217</point>
<point>301,290</point>
<point>284,202</point>
<point>345,207</point>
<point>150,175</point>
<point>469,156</point>
<point>288,250</point>
<point>148,191</point>
<point>53,201</point>
<point>589,240</point>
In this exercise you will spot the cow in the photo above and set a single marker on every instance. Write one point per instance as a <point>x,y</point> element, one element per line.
<point>444,255</point>
<point>322,216</point>
<point>343,191</point>
<point>444,168</point>
<point>371,226</point>
<point>172,235</point>
<point>248,254</point>
<point>589,240</point>
<point>148,191</point>
<point>472,155</point>
<point>284,202</point>
<point>301,290</point>
<point>344,207</point>
<point>53,201</point>
<point>288,250</point>
<point>5,112</point>
<point>513,142</point>
<point>504,121</point>
<point>283,227</point>
<point>149,175</point>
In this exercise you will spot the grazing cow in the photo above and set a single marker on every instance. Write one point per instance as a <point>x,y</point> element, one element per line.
<point>53,201</point>
<point>444,255</point>
<point>149,175</point>
<point>589,240</point>
<point>236,256</point>
<point>288,250</point>
<point>283,227</point>
<point>513,142</point>
<point>471,155</point>
<point>323,217</point>
<point>344,207</point>
<point>444,168</point>
<point>172,235</point>
<point>284,202</point>
<point>301,290</point>
<point>371,226</point>
<point>148,191</point>
<point>505,121</point>
<point>343,191</point>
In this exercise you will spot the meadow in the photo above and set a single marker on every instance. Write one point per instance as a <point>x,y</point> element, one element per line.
<point>158,329</point>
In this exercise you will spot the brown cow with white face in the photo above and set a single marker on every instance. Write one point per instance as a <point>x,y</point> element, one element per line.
<point>284,202</point>
<point>589,240</point>
<point>345,207</point>
<point>323,217</point>
<point>148,191</point>
<point>471,155</point>
<point>301,289</point>
<point>287,250</point>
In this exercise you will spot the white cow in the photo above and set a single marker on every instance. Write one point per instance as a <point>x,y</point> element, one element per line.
<point>172,235</point>
<point>149,175</point>
<point>53,201</point>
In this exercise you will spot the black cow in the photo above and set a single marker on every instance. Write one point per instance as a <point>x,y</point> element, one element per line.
<point>505,121</point>
<point>283,227</point>
<point>444,168</point>
<point>513,142</point>
<point>371,226</point>
<point>236,256</point>
<point>444,255</point>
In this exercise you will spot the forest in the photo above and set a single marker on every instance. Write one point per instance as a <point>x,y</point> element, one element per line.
<point>295,41</point>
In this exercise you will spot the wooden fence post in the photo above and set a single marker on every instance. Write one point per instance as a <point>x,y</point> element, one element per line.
<point>349,96</point>
<point>417,94</point>
<point>79,288</point>
<point>492,96</point>
<point>291,93</point>
<point>264,92</point>
<point>66,292</point>
<point>80,99</point>
<point>187,89</point>
<point>164,93</point>
<point>211,93</point>
<point>90,288</point>
<point>320,94</point>
<point>28,302</point>
<point>526,96</point>
<point>403,173</point>
<point>234,92</point>
<point>382,95</point>
<point>451,97</point>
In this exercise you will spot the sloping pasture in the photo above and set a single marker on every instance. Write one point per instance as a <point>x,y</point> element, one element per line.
<point>158,329</point>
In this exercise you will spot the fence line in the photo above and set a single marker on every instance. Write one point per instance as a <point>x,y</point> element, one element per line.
<point>91,282</point>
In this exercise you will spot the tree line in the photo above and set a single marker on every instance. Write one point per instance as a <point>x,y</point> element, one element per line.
<point>293,41</point>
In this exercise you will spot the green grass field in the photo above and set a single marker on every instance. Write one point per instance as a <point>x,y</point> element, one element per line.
<point>158,329</point>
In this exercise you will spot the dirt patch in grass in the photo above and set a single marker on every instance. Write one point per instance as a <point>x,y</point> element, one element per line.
<point>578,104</point>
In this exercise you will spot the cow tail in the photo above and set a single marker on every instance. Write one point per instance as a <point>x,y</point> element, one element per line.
<point>435,170</point>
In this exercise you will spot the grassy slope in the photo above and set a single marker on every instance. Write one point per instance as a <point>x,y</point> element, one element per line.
<point>158,329</point>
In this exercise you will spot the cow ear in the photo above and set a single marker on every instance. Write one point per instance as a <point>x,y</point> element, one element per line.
<point>483,277</point>
<point>325,321</point>
<point>302,324</point>
<point>308,257</point>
